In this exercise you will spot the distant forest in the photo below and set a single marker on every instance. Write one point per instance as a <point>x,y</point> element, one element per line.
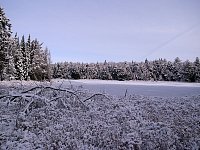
<point>157,70</point>
<point>22,59</point>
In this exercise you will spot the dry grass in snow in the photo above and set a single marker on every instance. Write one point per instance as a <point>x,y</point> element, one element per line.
<point>41,116</point>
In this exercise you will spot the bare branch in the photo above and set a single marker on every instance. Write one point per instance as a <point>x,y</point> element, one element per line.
<point>37,87</point>
<point>12,96</point>
<point>125,93</point>
<point>26,109</point>
<point>59,89</point>
<point>55,99</point>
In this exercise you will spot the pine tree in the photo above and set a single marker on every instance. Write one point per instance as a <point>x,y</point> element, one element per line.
<point>177,72</point>
<point>5,34</point>
<point>47,64</point>
<point>10,68</point>
<point>18,59</point>
<point>189,72</point>
<point>32,55</point>
<point>25,58</point>
<point>197,69</point>
<point>28,55</point>
<point>37,60</point>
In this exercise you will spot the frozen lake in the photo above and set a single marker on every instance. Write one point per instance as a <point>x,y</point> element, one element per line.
<point>147,88</point>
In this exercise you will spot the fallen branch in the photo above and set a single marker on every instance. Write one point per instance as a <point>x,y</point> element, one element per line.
<point>25,95</point>
<point>63,90</point>
<point>14,96</point>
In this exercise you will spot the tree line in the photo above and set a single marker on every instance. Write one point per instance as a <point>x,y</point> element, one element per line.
<point>21,59</point>
<point>157,70</point>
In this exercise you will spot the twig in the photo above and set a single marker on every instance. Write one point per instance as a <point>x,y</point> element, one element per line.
<point>97,94</point>
<point>56,89</point>
<point>55,98</point>
<point>3,96</point>
<point>37,87</point>
<point>27,106</point>
<point>12,96</point>
<point>125,93</point>
<point>33,99</point>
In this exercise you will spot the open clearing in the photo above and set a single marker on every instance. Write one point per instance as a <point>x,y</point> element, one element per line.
<point>93,114</point>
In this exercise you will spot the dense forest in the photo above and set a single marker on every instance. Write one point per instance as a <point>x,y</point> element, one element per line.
<point>19,58</point>
<point>23,59</point>
<point>157,70</point>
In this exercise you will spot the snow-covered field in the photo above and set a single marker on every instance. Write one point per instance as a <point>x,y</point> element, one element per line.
<point>93,114</point>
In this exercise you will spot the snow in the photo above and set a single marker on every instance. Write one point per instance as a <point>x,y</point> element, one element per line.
<point>131,82</point>
<point>147,88</point>
<point>57,119</point>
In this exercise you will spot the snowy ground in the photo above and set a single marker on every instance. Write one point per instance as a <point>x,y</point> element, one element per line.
<point>66,115</point>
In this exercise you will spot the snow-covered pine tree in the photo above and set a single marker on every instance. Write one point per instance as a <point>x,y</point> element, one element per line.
<point>188,71</point>
<point>32,54</point>
<point>28,52</point>
<point>148,68</point>
<point>37,61</point>
<point>5,34</point>
<point>178,70</point>
<point>47,64</point>
<point>197,69</point>
<point>21,60</point>
<point>18,59</point>
<point>25,58</point>
<point>10,68</point>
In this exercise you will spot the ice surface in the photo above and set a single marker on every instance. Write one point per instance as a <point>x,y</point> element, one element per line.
<point>147,88</point>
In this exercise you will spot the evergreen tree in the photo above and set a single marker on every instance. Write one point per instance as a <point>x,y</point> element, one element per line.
<point>178,70</point>
<point>47,64</point>
<point>10,68</point>
<point>36,70</point>
<point>18,59</point>
<point>28,52</point>
<point>5,34</point>
<point>197,69</point>
<point>21,59</point>
<point>25,58</point>
<point>32,55</point>
<point>38,61</point>
<point>189,72</point>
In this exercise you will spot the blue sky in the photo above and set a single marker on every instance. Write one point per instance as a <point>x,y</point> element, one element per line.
<point>112,30</point>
